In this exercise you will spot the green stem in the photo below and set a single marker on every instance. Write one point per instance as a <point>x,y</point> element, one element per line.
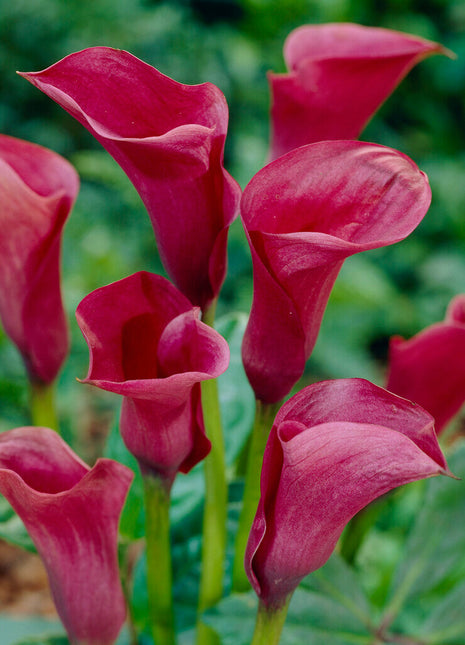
<point>264,416</point>
<point>269,624</point>
<point>159,573</point>
<point>215,510</point>
<point>208,314</point>
<point>42,405</point>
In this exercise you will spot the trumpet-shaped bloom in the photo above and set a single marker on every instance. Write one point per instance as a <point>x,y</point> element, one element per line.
<point>304,214</point>
<point>147,343</point>
<point>37,192</point>
<point>334,447</point>
<point>339,75</point>
<point>429,368</point>
<point>72,514</point>
<point>169,139</point>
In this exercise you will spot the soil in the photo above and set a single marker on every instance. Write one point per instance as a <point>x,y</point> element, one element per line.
<point>24,586</point>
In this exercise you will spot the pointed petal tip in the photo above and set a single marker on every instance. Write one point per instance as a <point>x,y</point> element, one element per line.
<point>448,52</point>
<point>448,473</point>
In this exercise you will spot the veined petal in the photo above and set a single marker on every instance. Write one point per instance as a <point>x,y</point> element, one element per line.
<point>146,342</point>
<point>37,191</point>
<point>429,369</point>
<point>304,214</point>
<point>170,143</point>
<point>334,447</point>
<point>339,75</point>
<point>72,514</point>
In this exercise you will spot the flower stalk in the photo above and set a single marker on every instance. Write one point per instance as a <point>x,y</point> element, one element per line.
<point>159,568</point>
<point>216,498</point>
<point>264,415</point>
<point>269,623</point>
<point>42,405</point>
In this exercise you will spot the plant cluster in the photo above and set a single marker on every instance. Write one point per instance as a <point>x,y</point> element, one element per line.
<point>313,464</point>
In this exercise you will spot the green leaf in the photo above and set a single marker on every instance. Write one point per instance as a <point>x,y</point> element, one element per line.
<point>433,565</point>
<point>12,528</point>
<point>186,500</point>
<point>339,584</point>
<point>237,400</point>
<point>43,640</point>
<point>445,625</point>
<point>132,524</point>
<point>328,608</point>
<point>233,618</point>
<point>37,624</point>
<point>31,630</point>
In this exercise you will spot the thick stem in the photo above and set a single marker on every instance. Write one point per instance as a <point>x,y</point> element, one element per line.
<point>264,416</point>
<point>269,623</point>
<point>42,405</point>
<point>159,572</point>
<point>215,510</point>
<point>208,314</point>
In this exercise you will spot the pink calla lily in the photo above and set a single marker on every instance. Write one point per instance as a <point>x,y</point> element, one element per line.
<point>339,75</point>
<point>147,343</point>
<point>304,214</point>
<point>37,191</point>
<point>169,139</point>
<point>334,447</point>
<point>72,514</point>
<point>429,368</point>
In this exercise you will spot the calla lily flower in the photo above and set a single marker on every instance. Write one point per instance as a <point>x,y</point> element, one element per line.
<point>169,139</point>
<point>429,368</point>
<point>147,343</point>
<point>37,191</point>
<point>334,447</point>
<point>339,75</point>
<point>72,514</point>
<point>304,214</point>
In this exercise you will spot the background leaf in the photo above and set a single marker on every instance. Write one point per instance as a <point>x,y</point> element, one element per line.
<point>329,607</point>
<point>29,630</point>
<point>12,528</point>
<point>424,591</point>
<point>237,399</point>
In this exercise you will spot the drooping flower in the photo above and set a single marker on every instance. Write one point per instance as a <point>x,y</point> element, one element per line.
<point>304,214</point>
<point>429,368</point>
<point>147,343</point>
<point>334,447</point>
<point>169,139</point>
<point>339,75</point>
<point>37,191</point>
<point>72,514</point>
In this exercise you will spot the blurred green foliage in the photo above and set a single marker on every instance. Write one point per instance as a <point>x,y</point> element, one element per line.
<point>233,44</point>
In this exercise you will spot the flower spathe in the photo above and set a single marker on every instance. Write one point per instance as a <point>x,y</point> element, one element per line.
<point>72,514</point>
<point>169,139</point>
<point>304,214</point>
<point>339,75</point>
<point>429,368</point>
<point>334,447</point>
<point>37,191</point>
<point>147,343</point>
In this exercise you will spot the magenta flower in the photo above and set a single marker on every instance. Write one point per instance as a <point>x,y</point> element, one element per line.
<point>71,513</point>
<point>334,447</point>
<point>169,139</point>
<point>37,192</point>
<point>429,368</point>
<point>304,214</point>
<point>339,75</point>
<point>147,343</point>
